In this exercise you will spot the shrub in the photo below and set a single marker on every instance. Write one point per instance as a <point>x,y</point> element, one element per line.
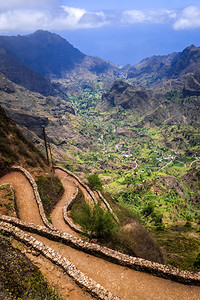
<point>188,225</point>
<point>197,261</point>
<point>135,240</point>
<point>50,189</point>
<point>94,181</point>
<point>148,209</point>
<point>97,222</point>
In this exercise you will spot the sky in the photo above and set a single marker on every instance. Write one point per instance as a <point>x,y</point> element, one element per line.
<point>121,31</point>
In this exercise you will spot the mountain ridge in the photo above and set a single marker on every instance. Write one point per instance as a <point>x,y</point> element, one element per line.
<point>51,55</point>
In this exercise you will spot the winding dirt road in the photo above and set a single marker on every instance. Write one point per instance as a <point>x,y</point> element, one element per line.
<point>123,282</point>
<point>57,214</point>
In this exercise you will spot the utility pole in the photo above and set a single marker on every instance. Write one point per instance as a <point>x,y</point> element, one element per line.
<point>45,142</point>
<point>52,168</point>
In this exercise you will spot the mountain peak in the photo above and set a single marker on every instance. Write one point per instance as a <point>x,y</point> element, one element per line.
<point>38,50</point>
<point>191,47</point>
<point>44,34</point>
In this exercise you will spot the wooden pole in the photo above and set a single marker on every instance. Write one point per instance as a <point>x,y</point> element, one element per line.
<point>52,168</point>
<point>45,142</point>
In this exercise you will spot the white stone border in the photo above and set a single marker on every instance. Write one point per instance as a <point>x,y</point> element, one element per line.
<point>80,182</point>
<point>36,194</point>
<point>66,209</point>
<point>90,192</point>
<point>136,263</point>
<point>55,257</point>
<point>108,206</point>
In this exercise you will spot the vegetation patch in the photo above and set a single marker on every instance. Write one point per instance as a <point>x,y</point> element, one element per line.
<point>149,167</point>
<point>94,221</point>
<point>51,190</point>
<point>7,203</point>
<point>94,182</point>
<point>15,148</point>
<point>77,209</point>
<point>129,237</point>
<point>181,245</point>
<point>19,278</point>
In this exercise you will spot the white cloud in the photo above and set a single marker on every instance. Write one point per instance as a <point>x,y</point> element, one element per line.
<point>189,18</point>
<point>19,21</point>
<point>28,15</point>
<point>50,19</point>
<point>133,16</point>
<point>73,15</point>
<point>94,19</point>
<point>148,16</point>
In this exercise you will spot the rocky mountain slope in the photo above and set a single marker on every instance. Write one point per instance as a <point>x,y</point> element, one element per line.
<point>31,111</point>
<point>155,106</point>
<point>15,148</point>
<point>156,70</point>
<point>156,94</point>
<point>144,129</point>
<point>52,56</point>
<point>43,52</point>
<point>20,74</point>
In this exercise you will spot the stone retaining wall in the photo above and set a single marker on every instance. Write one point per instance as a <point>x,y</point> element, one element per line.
<point>83,281</point>
<point>69,204</point>
<point>108,206</point>
<point>66,209</point>
<point>36,194</point>
<point>136,263</point>
<point>140,264</point>
<point>80,182</point>
<point>90,192</point>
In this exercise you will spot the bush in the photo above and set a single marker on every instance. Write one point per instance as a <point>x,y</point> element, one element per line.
<point>135,240</point>
<point>97,222</point>
<point>50,189</point>
<point>148,209</point>
<point>197,261</point>
<point>94,181</point>
<point>188,225</point>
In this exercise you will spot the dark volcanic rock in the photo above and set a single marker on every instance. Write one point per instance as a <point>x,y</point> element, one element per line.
<point>184,112</point>
<point>123,94</point>
<point>153,105</point>
<point>30,121</point>
<point>156,70</point>
<point>6,85</point>
<point>187,62</point>
<point>20,74</point>
<point>44,52</point>
<point>192,85</point>
<point>152,70</point>
<point>52,56</point>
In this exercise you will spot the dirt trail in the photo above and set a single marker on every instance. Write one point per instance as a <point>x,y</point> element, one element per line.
<point>57,214</point>
<point>55,275</point>
<point>28,211</point>
<point>61,174</point>
<point>121,281</point>
<point>58,279</point>
<point>26,204</point>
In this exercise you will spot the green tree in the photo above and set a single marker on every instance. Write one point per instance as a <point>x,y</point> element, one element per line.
<point>97,222</point>
<point>94,181</point>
